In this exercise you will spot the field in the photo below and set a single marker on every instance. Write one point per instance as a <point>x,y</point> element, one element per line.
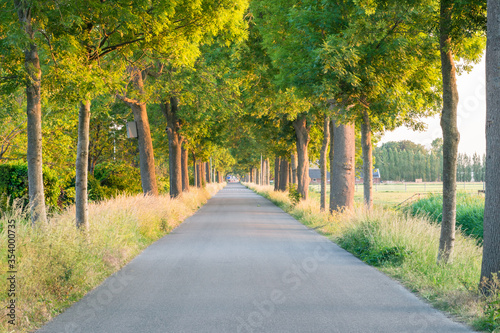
<point>392,194</point>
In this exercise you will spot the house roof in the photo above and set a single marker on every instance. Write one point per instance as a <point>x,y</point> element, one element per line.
<point>316,174</point>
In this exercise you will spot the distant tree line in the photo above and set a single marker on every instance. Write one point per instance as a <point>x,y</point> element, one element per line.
<point>407,161</point>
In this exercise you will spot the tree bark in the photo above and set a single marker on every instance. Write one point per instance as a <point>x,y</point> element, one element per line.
<point>170,110</point>
<point>185,169</point>
<point>261,173</point>
<point>145,143</point>
<point>303,138</point>
<point>195,171</point>
<point>265,174</point>
<point>342,177</point>
<point>491,251</point>
<point>284,174</point>
<point>293,163</point>
<point>146,155</point>
<point>451,137</point>
<point>366,146</point>
<point>322,161</point>
<point>268,166</point>
<point>203,180</point>
<point>277,164</point>
<point>82,160</point>
<point>208,173</point>
<point>331,156</point>
<point>34,117</point>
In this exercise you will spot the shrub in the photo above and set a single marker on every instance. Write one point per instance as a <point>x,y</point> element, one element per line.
<point>118,177</point>
<point>365,243</point>
<point>293,193</point>
<point>470,211</point>
<point>14,184</point>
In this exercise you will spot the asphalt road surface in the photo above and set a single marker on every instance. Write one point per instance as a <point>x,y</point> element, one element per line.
<point>241,264</point>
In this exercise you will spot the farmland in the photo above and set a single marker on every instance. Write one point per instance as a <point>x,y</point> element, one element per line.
<point>392,194</point>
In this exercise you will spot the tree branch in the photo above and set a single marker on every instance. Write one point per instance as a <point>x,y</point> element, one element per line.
<point>109,49</point>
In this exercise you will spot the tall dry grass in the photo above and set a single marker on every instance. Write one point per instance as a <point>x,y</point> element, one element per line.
<point>405,247</point>
<point>58,264</point>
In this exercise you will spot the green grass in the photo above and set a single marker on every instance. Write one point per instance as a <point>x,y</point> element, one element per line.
<point>470,211</point>
<point>57,264</point>
<point>405,247</point>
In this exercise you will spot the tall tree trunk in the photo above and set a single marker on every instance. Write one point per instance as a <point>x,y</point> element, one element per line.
<point>332,167</point>
<point>82,160</point>
<point>208,171</point>
<point>170,110</point>
<point>185,169</point>
<point>342,176</point>
<point>366,146</point>
<point>262,170</point>
<point>268,172</point>
<point>146,155</point>
<point>322,161</point>
<point>491,250</point>
<point>303,138</point>
<point>451,137</point>
<point>195,171</point>
<point>284,174</point>
<point>203,179</point>
<point>34,116</point>
<point>277,164</point>
<point>293,163</point>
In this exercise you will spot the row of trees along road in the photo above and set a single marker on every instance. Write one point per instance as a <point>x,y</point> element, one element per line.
<point>87,49</point>
<point>377,64</point>
<point>279,81</point>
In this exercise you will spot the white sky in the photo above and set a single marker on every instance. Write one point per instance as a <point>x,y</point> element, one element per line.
<point>471,116</point>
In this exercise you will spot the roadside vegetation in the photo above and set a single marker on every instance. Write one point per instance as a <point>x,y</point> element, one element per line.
<point>470,211</point>
<point>405,247</point>
<point>58,264</point>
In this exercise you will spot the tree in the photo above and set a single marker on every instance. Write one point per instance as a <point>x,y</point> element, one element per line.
<point>302,132</point>
<point>27,13</point>
<point>170,110</point>
<point>381,73</point>
<point>322,160</point>
<point>366,143</point>
<point>455,26</point>
<point>287,40</point>
<point>146,155</point>
<point>491,254</point>
<point>477,168</point>
<point>343,168</point>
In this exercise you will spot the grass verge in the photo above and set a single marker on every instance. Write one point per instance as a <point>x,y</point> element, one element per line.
<point>57,264</point>
<point>405,248</point>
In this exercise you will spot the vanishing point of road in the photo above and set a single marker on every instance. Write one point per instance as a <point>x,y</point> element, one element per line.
<point>241,264</point>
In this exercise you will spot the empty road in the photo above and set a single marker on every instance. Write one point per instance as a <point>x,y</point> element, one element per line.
<point>241,264</point>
